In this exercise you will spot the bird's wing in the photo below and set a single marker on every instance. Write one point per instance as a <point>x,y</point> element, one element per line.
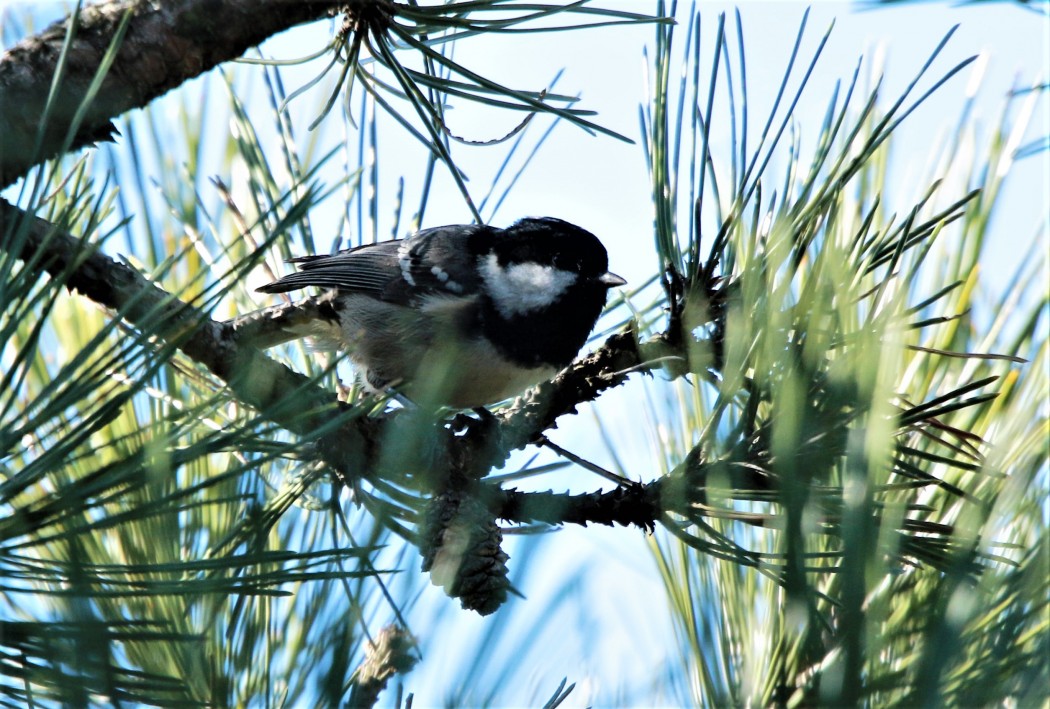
<point>436,261</point>
<point>432,261</point>
<point>365,269</point>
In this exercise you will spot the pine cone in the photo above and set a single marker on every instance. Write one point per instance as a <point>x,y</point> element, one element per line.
<point>460,543</point>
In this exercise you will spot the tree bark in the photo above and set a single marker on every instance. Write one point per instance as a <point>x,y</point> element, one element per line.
<point>159,45</point>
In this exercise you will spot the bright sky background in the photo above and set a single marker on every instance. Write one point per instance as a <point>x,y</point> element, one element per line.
<point>611,630</point>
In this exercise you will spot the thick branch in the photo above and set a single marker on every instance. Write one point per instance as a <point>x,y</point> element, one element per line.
<point>277,324</point>
<point>165,44</point>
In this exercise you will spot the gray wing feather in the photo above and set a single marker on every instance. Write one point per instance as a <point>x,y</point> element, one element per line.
<point>365,269</point>
<point>435,260</point>
<point>440,260</point>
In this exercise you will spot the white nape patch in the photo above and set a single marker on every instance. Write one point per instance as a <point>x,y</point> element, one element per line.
<point>404,261</point>
<point>523,287</point>
<point>442,276</point>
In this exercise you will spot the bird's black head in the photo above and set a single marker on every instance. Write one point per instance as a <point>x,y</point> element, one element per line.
<point>545,282</point>
<point>548,241</point>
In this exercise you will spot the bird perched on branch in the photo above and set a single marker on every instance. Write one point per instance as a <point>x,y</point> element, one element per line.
<point>457,316</point>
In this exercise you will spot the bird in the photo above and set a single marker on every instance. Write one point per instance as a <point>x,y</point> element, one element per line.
<point>458,316</point>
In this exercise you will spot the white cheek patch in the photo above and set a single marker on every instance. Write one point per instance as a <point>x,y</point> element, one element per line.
<point>523,287</point>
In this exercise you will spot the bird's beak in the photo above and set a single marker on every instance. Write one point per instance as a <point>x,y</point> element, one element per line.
<point>611,280</point>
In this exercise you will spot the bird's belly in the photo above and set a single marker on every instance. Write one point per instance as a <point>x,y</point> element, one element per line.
<point>471,374</point>
<point>427,357</point>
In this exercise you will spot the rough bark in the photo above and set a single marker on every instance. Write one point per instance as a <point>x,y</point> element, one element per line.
<point>160,45</point>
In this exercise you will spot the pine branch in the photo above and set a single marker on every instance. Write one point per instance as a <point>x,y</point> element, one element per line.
<point>637,505</point>
<point>254,378</point>
<point>390,654</point>
<point>275,325</point>
<point>161,46</point>
<point>538,409</point>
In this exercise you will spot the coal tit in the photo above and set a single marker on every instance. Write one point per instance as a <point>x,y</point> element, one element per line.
<point>464,315</point>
